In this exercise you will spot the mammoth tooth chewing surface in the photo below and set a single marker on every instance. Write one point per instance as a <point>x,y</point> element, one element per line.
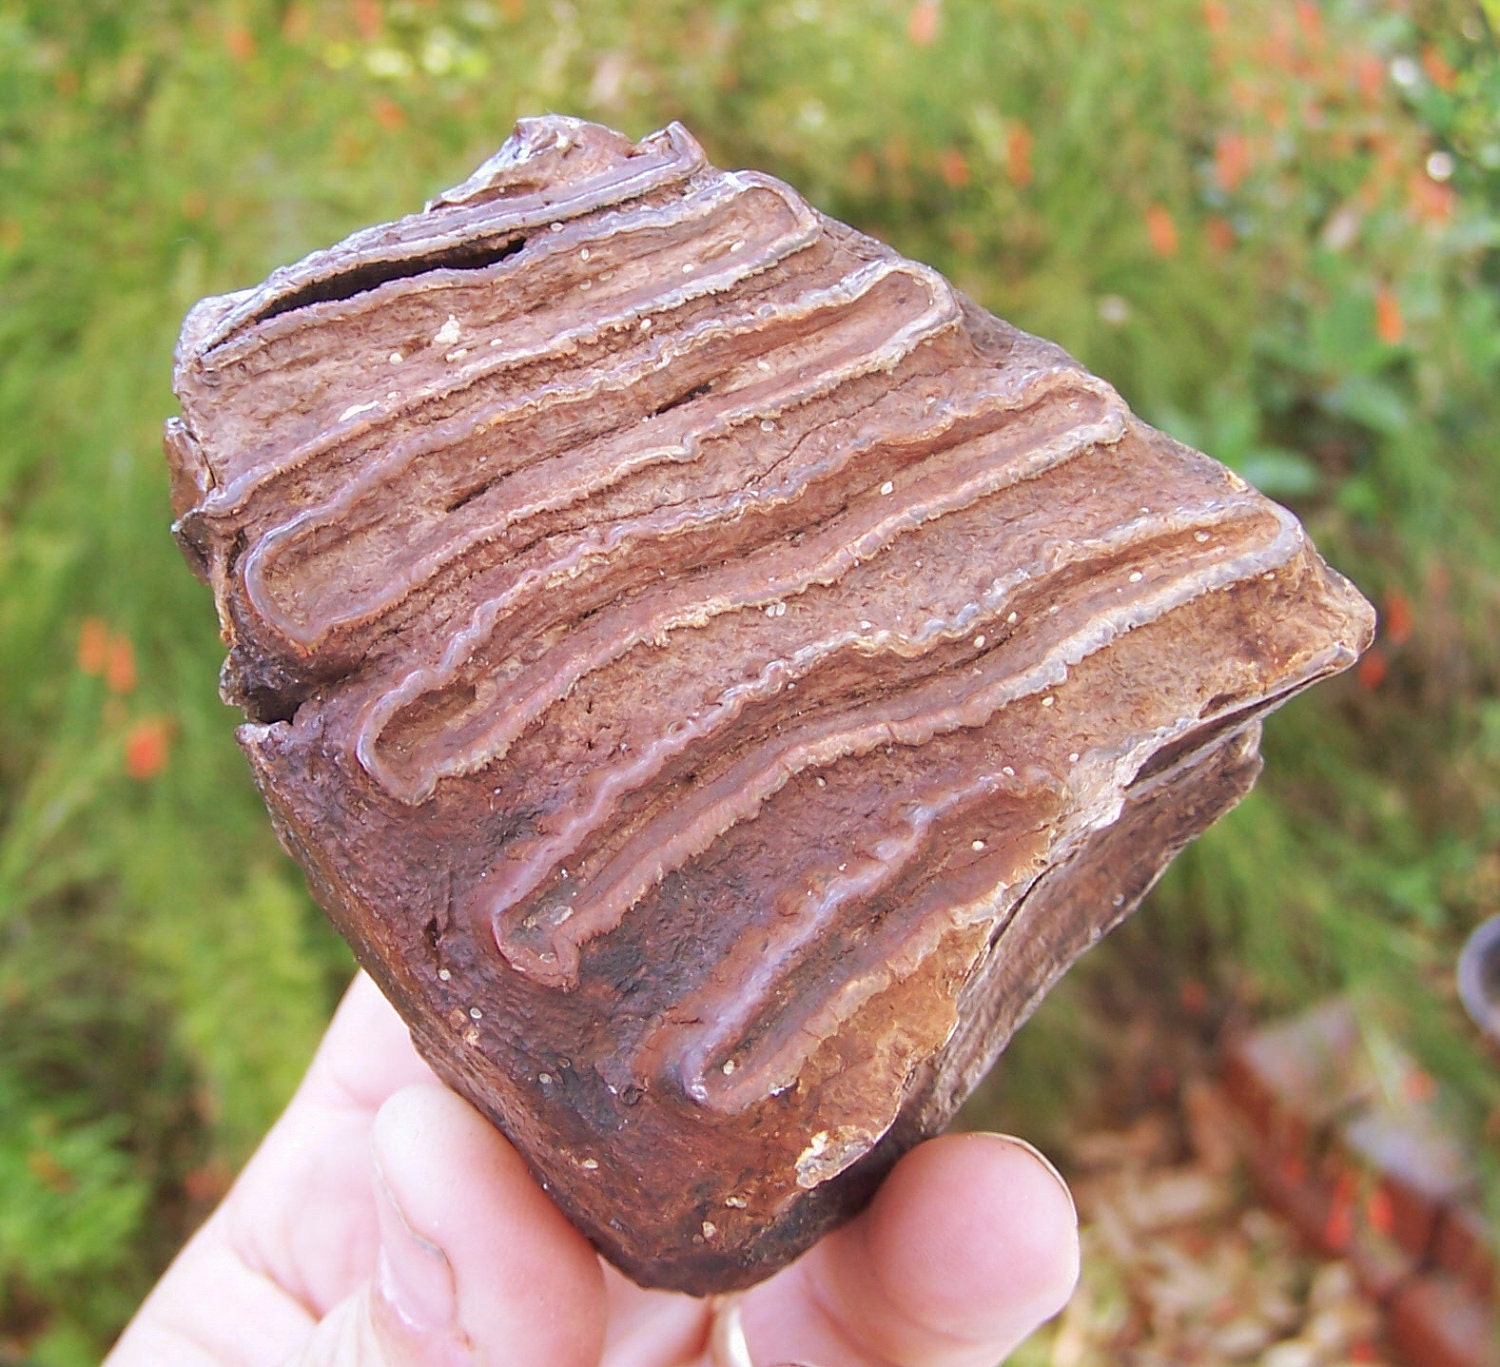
<point>715,675</point>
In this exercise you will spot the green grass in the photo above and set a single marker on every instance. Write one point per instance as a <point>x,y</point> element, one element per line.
<point>1225,209</point>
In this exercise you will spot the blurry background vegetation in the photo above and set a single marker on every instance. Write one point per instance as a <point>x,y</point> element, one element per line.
<point>1273,225</point>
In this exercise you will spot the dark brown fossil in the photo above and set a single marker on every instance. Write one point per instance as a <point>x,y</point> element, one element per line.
<point>715,675</point>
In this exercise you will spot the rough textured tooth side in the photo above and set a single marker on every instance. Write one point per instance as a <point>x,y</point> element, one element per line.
<point>702,727</point>
<point>790,1020</point>
<point>842,895</point>
<point>288,405</point>
<point>699,818</point>
<point>674,158</point>
<point>1069,910</point>
<point>720,675</point>
<point>571,480</point>
<point>754,579</point>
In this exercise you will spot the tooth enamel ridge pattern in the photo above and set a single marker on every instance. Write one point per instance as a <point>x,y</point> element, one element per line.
<point>706,640</point>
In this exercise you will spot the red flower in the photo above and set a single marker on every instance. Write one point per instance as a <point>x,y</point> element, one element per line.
<point>1390,327</point>
<point>1372,670</point>
<point>1018,145</point>
<point>954,168</point>
<point>922,24</point>
<point>367,18</point>
<point>119,665</point>
<point>1398,618</point>
<point>1438,69</point>
<point>1431,201</point>
<point>1231,161</point>
<point>1220,233</point>
<point>388,114</point>
<point>1161,230</point>
<point>1310,20</point>
<point>147,745</point>
<point>240,42</point>
<point>93,645</point>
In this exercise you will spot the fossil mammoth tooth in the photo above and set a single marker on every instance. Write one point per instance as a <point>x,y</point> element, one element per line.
<point>715,675</point>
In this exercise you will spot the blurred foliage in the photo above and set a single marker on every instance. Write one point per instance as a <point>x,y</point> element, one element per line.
<point>1273,225</point>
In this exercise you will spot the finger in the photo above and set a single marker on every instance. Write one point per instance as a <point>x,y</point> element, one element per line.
<point>366,1054</point>
<point>302,1213</point>
<point>651,1328</point>
<point>297,1233</point>
<point>971,1243</point>
<point>474,1263</point>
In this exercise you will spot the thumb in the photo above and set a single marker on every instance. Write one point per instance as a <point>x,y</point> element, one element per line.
<point>475,1264</point>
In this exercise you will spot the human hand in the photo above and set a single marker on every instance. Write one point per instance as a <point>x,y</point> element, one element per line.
<point>384,1223</point>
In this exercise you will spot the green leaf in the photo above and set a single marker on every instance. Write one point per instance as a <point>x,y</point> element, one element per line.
<point>1371,402</point>
<point>1281,474</point>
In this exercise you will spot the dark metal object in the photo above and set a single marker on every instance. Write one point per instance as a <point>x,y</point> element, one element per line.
<point>1479,978</point>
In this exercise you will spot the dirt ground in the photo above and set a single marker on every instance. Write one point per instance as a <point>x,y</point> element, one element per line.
<point>1184,1263</point>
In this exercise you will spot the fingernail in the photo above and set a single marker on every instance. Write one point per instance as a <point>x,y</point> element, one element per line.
<point>412,1273</point>
<point>1046,1162</point>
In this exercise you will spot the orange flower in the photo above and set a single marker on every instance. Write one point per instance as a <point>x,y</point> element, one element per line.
<point>1220,233</point>
<point>119,664</point>
<point>367,18</point>
<point>296,23</point>
<point>1310,21</point>
<point>388,114</point>
<point>1216,15</point>
<point>1438,70</point>
<point>954,168</point>
<point>1372,670</point>
<point>240,42</point>
<point>1277,51</point>
<point>1398,618</point>
<point>1369,76</point>
<point>93,646</point>
<point>922,23</point>
<point>1430,200</point>
<point>1161,230</point>
<point>147,744</point>
<point>1018,145</point>
<point>1231,161</point>
<point>1390,327</point>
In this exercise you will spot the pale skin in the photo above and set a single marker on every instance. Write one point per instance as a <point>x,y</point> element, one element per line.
<point>384,1223</point>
